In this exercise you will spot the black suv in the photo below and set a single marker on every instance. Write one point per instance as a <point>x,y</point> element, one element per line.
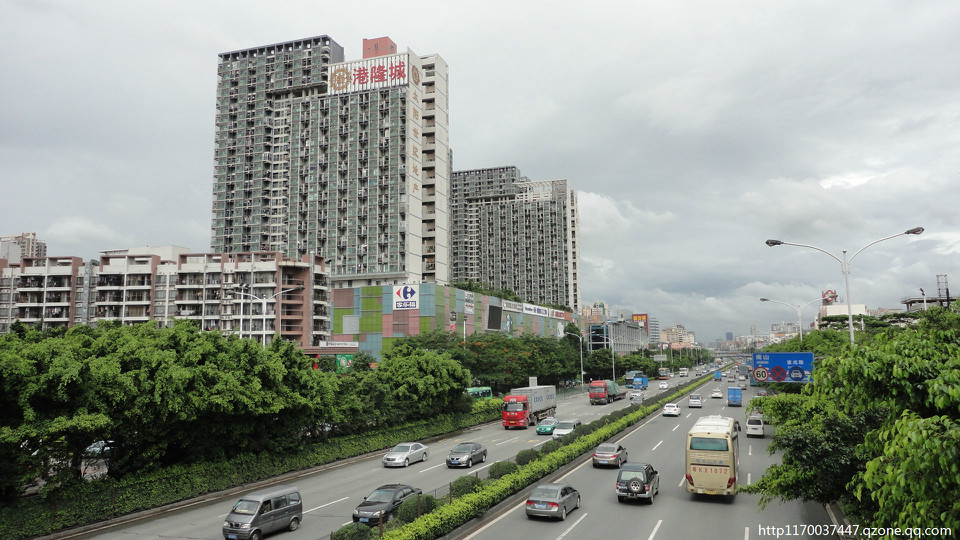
<point>383,502</point>
<point>637,481</point>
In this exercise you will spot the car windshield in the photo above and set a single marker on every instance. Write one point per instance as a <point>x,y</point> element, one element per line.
<point>461,449</point>
<point>381,495</point>
<point>401,448</point>
<point>754,421</point>
<point>548,422</point>
<point>544,492</point>
<point>607,449</point>
<point>244,506</point>
<point>670,406</point>
<point>566,424</point>
<point>513,406</point>
<point>694,396</point>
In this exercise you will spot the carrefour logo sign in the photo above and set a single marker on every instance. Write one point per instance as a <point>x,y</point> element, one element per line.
<point>406,297</point>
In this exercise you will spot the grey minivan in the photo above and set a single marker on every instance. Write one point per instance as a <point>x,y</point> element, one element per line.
<point>264,512</point>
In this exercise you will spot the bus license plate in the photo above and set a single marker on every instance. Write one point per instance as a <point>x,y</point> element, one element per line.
<point>711,492</point>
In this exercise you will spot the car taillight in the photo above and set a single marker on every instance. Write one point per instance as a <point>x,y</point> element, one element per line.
<point>690,479</point>
<point>553,505</point>
<point>529,502</point>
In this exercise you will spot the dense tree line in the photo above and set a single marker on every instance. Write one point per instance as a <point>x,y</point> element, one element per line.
<point>167,396</point>
<point>503,362</point>
<point>878,429</point>
<point>164,396</point>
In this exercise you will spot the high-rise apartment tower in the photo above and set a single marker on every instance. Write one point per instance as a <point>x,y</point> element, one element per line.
<point>516,234</point>
<point>345,160</point>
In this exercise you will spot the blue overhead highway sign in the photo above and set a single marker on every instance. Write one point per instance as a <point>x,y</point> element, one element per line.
<point>783,367</point>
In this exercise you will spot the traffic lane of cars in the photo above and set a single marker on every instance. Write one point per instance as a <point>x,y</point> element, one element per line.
<point>330,496</point>
<point>659,441</point>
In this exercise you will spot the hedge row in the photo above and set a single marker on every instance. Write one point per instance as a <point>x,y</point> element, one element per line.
<point>473,505</point>
<point>106,498</point>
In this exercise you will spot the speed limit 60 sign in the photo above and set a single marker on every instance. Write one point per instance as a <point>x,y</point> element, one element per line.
<point>760,374</point>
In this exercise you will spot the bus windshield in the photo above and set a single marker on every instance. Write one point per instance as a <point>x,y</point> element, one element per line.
<point>706,443</point>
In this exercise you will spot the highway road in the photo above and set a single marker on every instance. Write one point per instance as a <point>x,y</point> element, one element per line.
<point>331,493</point>
<point>674,513</point>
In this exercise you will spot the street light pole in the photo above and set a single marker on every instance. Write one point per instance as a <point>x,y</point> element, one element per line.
<point>578,336</point>
<point>845,265</point>
<point>263,303</point>
<point>799,309</point>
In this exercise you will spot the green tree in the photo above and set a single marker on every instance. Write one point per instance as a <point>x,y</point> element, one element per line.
<point>424,382</point>
<point>880,421</point>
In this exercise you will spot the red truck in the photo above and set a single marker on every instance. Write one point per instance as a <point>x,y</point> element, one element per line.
<point>605,391</point>
<point>523,407</point>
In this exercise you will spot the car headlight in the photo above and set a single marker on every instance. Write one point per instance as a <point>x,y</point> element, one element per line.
<point>244,525</point>
<point>226,524</point>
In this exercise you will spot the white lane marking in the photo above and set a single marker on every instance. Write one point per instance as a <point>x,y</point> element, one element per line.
<point>689,414</point>
<point>570,528</point>
<point>432,468</point>
<point>746,533</point>
<point>750,450</point>
<point>675,427</point>
<point>655,529</point>
<point>748,478</point>
<point>323,505</point>
<point>508,440</point>
<point>657,446</point>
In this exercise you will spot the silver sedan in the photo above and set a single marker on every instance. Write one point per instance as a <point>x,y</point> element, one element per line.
<point>404,453</point>
<point>552,500</point>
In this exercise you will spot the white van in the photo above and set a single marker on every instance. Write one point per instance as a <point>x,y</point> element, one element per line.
<point>755,426</point>
<point>263,512</point>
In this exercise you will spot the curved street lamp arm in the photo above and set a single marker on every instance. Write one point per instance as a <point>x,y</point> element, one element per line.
<point>780,302</point>
<point>819,249</point>
<point>916,230</point>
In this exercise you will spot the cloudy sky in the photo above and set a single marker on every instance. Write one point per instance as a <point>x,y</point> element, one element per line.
<point>693,130</point>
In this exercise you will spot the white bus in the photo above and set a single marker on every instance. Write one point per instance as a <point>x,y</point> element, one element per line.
<point>683,372</point>
<point>712,458</point>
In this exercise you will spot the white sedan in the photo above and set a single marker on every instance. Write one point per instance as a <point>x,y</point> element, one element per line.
<point>663,385</point>
<point>671,409</point>
<point>716,394</point>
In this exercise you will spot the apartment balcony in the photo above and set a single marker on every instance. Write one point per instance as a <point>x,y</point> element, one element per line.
<point>56,315</point>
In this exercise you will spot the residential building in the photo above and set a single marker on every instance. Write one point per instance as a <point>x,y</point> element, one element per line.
<point>349,161</point>
<point>783,331</point>
<point>251,294</point>
<point>677,334</point>
<point>515,234</point>
<point>14,247</point>
<point>54,292</point>
<point>653,329</point>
